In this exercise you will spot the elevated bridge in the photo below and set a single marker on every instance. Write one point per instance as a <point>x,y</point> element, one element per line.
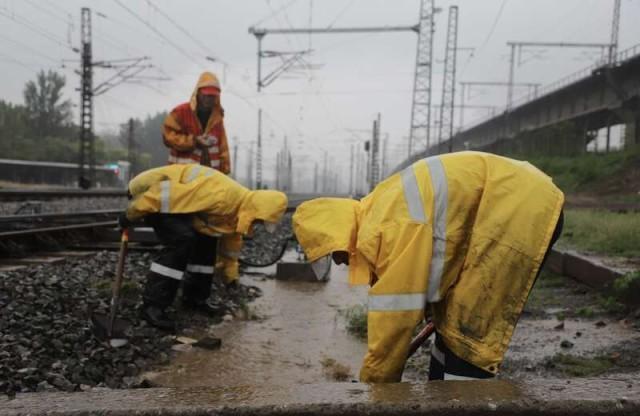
<point>599,96</point>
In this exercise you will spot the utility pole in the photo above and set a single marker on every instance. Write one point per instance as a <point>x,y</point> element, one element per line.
<point>250,168</point>
<point>235,159</point>
<point>615,30</point>
<point>130,144</point>
<point>127,70</point>
<point>259,152</point>
<point>375,150</point>
<point>420,128</point>
<point>315,178</point>
<point>445,129</point>
<point>87,168</point>
<point>383,169</point>
<point>324,173</point>
<point>351,167</point>
<point>520,45</point>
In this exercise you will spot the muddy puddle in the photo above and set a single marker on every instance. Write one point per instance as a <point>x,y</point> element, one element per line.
<point>288,336</point>
<point>290,332</point>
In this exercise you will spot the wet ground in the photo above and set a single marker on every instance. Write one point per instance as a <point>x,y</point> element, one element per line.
<point>296,333</point>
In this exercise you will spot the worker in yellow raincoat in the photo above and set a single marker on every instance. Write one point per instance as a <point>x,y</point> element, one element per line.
<point>188,206</point>
<point>461,235</point>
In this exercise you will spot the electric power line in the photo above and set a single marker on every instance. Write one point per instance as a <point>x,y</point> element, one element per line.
<point>31,26</point>
<point>157,32</point>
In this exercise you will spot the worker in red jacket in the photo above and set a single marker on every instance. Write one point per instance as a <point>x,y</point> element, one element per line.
<point>194,131</point>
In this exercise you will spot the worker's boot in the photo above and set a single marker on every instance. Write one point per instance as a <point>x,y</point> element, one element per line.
<point>157,317</point>
<point>204,307</point>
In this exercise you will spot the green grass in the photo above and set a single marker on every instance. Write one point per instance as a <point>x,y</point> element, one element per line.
<point>357,321</point>
<point>577,173</point>
<point>602,232</point>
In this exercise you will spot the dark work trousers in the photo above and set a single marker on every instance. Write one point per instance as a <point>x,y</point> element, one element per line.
<point>445,365</point>
<point>187,257</point>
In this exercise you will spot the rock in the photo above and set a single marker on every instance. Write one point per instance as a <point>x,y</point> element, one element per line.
<point>60,382</point>
<point>227,318</point>
<point>45,386</point>
<point>209,343</point>
<point>578,334</point>
<point>182,347</point>
<point>559,327</point>
<point>601,324</point>
<point>566,344</point>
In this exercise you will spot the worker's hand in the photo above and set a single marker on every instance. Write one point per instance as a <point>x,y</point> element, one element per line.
<point>123,221</point>
<point>201,141</point>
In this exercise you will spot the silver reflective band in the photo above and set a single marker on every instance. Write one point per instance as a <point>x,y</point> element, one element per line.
<point>166,271</point>
<point>408,302</point>
<point>194,173</point>
<point>412,195</point>
<point>437,354</point>
<point>440,196</point>
<point>199,268</point>
<point>215,163</point>
<point>448,376</point>
<point>209,172</point>
<point>214,149</point>
<point>165,187</point>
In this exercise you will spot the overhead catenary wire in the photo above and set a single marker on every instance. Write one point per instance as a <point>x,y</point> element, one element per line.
<point>182,29</point>
<point>31,26</point>
<point>159,33</point>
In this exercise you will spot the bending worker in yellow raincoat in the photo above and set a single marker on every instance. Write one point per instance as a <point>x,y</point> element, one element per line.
<point>188,205</point>
<point>464,233</point>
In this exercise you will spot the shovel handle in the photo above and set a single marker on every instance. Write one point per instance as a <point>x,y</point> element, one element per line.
<point>426,332</point>
<point>117,283</point>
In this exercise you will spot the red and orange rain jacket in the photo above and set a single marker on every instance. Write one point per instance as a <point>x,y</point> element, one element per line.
<point>182,126</point>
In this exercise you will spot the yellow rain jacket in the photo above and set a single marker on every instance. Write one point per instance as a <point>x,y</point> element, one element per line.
<point>464,232</point>
<point>228,254</point>
<point>220,204</point>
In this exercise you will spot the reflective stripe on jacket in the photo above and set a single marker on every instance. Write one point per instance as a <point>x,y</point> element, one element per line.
<point>220,204</point>
<point>182,125</point>
<point>465,232</point>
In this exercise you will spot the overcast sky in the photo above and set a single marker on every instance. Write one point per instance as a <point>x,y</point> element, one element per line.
<point>330,107</point>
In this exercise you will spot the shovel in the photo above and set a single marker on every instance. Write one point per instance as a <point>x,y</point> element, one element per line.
<point>108,327</point>
<point>421,338</point>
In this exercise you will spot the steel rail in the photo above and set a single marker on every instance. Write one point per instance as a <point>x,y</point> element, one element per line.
<point>58,215</point>
<point>22,194</point>
<point>20,233</point>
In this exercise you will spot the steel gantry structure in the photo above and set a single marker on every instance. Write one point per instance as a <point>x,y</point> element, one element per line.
<point>419,135</point>
<point>517,45</point>
<point>445,128</point>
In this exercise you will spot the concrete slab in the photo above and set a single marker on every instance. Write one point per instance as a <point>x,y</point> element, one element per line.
<point>582,397</point>
<point>295,271</point>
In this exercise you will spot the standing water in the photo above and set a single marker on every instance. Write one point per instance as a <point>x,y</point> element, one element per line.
<point>298,328</point>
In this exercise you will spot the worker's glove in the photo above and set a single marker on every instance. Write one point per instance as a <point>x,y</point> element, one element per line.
<point>123,221</point>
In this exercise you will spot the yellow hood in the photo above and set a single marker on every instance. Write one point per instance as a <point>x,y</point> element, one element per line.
<point>268,206</point>
<point>325,225</point>
<point>207,79</point>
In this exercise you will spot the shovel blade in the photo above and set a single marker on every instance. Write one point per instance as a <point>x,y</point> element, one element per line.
<point>100,327</point>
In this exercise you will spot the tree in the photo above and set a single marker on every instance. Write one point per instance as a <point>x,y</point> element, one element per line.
<point>46,111</point>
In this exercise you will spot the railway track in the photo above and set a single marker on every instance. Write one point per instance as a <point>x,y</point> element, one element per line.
<point>11,195</point>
